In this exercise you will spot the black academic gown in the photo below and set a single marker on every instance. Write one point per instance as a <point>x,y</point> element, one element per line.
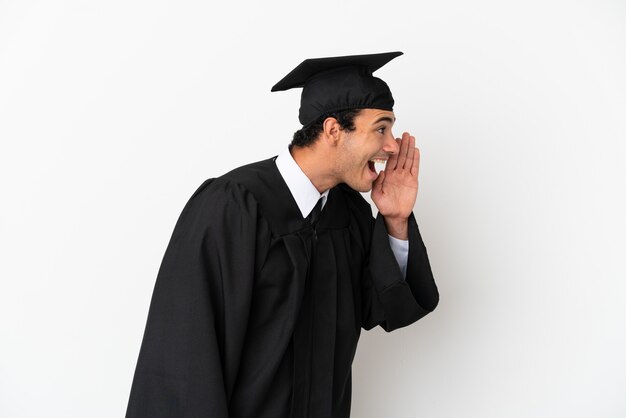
<point>256,314</point>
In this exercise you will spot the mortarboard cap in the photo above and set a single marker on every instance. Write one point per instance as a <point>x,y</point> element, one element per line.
<point>339,83</point>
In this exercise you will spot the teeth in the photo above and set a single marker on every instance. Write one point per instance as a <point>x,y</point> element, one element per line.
<point>378,160</point>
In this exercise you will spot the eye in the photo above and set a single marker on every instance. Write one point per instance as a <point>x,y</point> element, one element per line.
<point>381,129</point>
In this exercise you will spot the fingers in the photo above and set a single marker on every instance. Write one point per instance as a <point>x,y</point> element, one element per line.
<point>392,162</point>
<point>415,168</point>
<point>378,183</point>
<point>410,152</point>
<point>407,156</point>
<point>404,145</point>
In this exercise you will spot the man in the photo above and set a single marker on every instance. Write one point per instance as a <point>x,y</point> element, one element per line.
<point>273,268</point>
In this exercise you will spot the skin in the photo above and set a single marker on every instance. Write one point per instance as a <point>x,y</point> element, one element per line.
<point>338,156</point>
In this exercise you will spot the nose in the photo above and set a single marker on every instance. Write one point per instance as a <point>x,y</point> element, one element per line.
<point>391,145</point>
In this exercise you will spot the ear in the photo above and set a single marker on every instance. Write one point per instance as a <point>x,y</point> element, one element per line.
<point>330,130</point>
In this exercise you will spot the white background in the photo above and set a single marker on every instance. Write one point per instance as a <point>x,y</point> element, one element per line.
<point>113,113</point>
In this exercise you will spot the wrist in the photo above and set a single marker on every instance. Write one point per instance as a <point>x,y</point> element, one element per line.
<point>397,227</point>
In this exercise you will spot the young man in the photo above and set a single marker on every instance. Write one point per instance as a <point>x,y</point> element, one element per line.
<point>273,268</point>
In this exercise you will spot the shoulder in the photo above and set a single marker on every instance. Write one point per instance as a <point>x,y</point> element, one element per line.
<point>235,184</point>
<point>252,175</point>
<point>237,194</point>
<point>219,199</point>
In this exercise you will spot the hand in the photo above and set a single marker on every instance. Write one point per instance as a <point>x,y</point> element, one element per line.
<point>395,190</point>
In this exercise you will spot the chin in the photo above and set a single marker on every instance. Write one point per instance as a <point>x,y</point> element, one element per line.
<point>362,186</point>
<point>361,181</point>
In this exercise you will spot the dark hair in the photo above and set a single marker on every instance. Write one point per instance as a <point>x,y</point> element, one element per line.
<point>308,134</point>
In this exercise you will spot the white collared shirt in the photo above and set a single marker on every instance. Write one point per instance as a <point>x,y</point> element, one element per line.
<point>306,196</point>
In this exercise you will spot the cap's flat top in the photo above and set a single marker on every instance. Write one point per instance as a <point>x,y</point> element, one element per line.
<point>309,67</point>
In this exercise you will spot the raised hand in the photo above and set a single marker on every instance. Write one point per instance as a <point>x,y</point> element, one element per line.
<point>395,190</point>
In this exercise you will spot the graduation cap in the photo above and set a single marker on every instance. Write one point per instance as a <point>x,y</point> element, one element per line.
<point>339,83</point>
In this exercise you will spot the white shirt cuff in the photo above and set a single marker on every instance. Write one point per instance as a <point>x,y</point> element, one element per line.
<point>400,249</point>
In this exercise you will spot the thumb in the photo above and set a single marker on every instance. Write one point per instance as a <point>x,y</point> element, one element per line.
<point>378,183</point>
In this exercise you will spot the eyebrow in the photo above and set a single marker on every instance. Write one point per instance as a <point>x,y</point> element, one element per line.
<point>384,118</point>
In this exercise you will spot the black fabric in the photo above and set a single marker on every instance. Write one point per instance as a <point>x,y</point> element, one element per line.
<point>339,83</point>
<point>315,212</point>
<point>255,313</point>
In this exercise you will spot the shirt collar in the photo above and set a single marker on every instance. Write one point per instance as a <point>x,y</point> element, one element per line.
<point>303,191</point>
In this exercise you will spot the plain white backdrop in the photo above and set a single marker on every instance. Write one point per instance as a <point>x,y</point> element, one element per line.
<point>113,113</point>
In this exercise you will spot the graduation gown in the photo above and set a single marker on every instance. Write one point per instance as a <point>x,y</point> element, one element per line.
<point>255,313</point>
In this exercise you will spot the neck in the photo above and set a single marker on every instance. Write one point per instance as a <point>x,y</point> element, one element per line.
<point>315,164</point>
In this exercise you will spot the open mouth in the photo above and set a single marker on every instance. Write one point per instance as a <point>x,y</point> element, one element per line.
<point>376,164</point>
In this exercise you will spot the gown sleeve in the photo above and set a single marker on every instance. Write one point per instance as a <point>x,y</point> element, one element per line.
<point>388,299</point>
<point>198,314</point>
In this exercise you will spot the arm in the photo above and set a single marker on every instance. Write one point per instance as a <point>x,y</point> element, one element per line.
<point>389,300</point>
<point>392,302</point>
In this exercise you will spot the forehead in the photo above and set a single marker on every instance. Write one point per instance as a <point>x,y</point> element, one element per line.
<point>376,115</point>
